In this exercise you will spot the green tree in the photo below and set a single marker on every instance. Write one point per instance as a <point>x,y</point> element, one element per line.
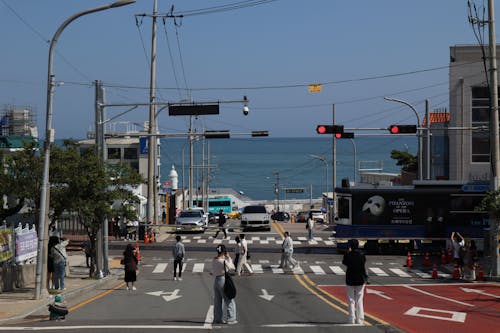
<point>407,161</point>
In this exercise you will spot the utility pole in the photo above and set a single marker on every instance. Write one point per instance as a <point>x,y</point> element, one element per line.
<point>333,211</point>
<point>494,135</point>
<point>191,162</point>
<point>277,189</point>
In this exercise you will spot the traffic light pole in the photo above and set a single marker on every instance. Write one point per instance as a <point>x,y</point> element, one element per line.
<point>333,211</point>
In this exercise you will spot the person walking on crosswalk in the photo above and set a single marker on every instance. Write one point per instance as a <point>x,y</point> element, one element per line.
<point>222,224</point>
<point>242,260</point>
<point>179,252</point>
<point>287,260</point>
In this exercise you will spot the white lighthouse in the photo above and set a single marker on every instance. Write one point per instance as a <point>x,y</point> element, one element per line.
<point>174,178</point>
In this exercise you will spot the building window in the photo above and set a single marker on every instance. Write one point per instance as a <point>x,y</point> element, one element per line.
<point>114,154</point>
<point>480,117</point>
<point>130,153</point>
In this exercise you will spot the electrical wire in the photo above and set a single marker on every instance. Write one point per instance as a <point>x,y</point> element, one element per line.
<point>172,59</point>
<point>224,8</point>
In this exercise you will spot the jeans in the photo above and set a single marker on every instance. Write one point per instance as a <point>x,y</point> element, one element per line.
<point>59,273</point>
<point>355,303</point>
<point>310,230</point>
<point>219,298</point>
<point>177,262</point>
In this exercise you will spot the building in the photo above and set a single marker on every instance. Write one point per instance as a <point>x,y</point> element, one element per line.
<point>469,153</point>
<point>18,122</point>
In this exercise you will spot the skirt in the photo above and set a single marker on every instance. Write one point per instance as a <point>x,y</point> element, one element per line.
<point>130,276</point>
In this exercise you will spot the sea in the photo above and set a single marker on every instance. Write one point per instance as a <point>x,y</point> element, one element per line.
<point>256,167</point>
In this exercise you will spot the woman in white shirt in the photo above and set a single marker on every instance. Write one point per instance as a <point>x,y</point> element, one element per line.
<point>222,259</point>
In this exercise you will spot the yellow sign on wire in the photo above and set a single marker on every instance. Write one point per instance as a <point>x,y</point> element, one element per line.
<point>314,88</point>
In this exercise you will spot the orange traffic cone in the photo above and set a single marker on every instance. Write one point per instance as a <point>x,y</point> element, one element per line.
<point>146,238</point>
<point>427,261</point>
<point>443,257</point>
<point>456,273</point>
<point>434,272</point>
<point>137,252</point>
<point>480,274</point>
<point>409,262</point>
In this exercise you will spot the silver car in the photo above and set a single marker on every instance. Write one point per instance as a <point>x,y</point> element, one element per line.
<point>191,220</point>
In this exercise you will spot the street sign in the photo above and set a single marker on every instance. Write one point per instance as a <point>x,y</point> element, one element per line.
<point>294,190</point>
<point>475,188</point>
<point>193,110</point>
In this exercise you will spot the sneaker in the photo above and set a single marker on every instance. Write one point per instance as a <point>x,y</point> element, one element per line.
<point>134,288</point>
<point>128,288</point>
<point>175,278</point>
<point>232,322</point>
<point>180,279</point>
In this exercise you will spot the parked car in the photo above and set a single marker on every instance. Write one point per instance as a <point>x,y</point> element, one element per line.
<point>191,220</point>
<point>317,215</point>
<point>235,214</point>
<point>255,217</point>
<point>280,216</point>
<point>301,217</point>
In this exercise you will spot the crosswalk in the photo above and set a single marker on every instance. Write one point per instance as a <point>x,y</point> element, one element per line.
<point>262,240</point>
<point>304,267</point>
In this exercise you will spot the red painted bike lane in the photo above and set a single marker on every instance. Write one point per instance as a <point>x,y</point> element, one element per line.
<point>433,308</point>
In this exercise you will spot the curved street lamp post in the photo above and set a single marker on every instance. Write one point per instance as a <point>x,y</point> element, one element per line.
<point>41,275</point>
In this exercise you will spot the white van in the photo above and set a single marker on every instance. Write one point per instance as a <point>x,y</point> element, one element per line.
<point>255,217</point>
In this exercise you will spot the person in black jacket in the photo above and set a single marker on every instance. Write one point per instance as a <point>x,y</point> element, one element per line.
<point>355,279</point>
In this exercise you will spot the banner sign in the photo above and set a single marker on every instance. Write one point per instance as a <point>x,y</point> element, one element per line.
<point>26,244</point>
<point>6,244</point>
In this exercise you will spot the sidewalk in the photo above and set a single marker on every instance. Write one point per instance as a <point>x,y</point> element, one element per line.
<point>20,303</point>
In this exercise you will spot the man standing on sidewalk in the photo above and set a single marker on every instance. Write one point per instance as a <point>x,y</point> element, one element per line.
<point>355,279</point>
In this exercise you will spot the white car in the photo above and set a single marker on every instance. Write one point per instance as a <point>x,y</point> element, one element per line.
<point>318,216</point>
<point>255,217</point>
<point>191,220</point>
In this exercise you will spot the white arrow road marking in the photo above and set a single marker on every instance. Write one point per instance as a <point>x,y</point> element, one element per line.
<point>377,292</point>
<point>477,291</point>
<point>265,295</point>
<point>171,295</point>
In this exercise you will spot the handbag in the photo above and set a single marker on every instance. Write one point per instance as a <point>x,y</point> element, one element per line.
<point>229,287</point>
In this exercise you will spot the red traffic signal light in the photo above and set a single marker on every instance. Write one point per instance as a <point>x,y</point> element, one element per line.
<point>345,135</point>
<point>329,129</point>
<point>402,129</point>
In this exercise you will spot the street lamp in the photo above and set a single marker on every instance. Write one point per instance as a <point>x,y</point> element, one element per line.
<point>420,166</point>
<point>322,158</point>
<point>41,276</point>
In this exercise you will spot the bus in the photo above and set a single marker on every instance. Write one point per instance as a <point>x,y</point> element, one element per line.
<point>404,218</point>
<point>218,203</point>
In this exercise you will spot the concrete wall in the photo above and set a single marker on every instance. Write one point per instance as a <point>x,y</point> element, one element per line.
<point>15,277</point>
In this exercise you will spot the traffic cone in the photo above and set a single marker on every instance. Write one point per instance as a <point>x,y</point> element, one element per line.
<point>409,262</point>
<point>480,274</point>
<point>427,261</point>
<point>146,238</point>
<point>443,257</point>
<point>434,272</point>
<point>456,273</point>
<point>137,251</point>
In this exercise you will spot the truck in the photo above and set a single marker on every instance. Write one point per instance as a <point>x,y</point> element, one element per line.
<point>388,219</point>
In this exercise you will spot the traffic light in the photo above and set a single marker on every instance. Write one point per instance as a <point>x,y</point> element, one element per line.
<point>260,133</point>
<point>402,129</point>
<point>345,135</point>
<point>329,129</point>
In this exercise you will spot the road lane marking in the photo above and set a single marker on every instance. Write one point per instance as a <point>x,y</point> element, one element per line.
<point>257,268</point>
<point>455,316</point>
<point>265,295</point>
<point>337,270</point>
<point>317,270</point>
<point>276,269</point>
<point>478,291</point>
<point>399,272</point>
<point>378,293</point>
<point>378,271</point>
<point>209,318</point>
<point>198,267</point>
<point>160,268</point>
<point>437,296</point>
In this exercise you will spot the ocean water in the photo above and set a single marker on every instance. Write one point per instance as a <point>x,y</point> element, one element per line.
<point>255,165</point>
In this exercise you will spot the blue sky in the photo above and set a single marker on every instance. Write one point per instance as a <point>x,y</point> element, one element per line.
<point>269,52</point>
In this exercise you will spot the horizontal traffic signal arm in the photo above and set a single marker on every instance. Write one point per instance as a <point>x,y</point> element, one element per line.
<point>329,129</point>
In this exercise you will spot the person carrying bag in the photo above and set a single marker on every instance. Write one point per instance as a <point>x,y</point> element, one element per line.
<point>224,288</point>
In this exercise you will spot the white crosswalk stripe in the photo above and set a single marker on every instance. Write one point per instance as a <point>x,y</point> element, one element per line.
<point>316,268</point>
<point>160,268</point>
<point>337,270</point>
<point>378,271</point>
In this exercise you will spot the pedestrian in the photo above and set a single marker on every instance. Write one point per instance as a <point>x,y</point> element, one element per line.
<point>222,224</point>
<point>53,240</point>
<point>470,259</point>
<point>310,226</point>
<point>287,260</point>
<point>220,264</point>
<point>130,265</point>
<point>59,257</point>
<point>355,279</point>
<point>179,253</point>
<point>458,246</point>
<point>116,227</point>
<point>88,252</point>
<point>242,262</point>
<point>237,251</point>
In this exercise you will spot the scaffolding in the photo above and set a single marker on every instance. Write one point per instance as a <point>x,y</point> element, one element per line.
<point>15,121</point>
